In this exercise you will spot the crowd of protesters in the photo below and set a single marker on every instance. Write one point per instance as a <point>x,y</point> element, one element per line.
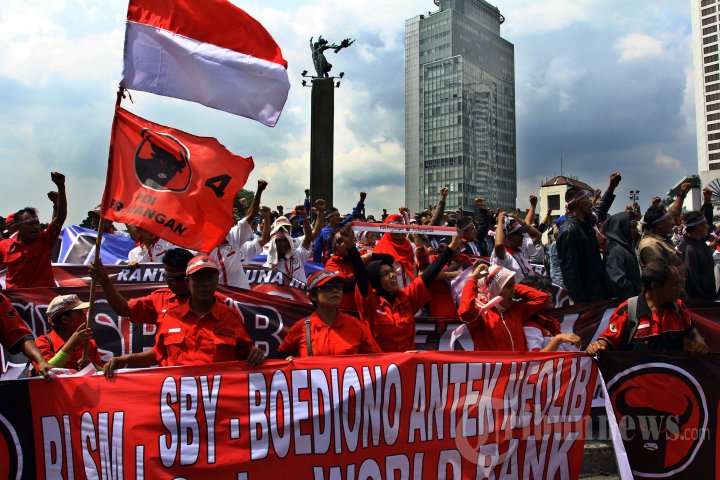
<point>497,272</point>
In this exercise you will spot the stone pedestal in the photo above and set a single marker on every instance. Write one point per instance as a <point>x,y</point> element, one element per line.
<point>322,119</point>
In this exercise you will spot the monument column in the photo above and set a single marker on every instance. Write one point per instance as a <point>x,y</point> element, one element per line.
<point>322,119</point>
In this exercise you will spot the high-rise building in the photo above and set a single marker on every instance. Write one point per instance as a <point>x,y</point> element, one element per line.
<point>459,107</point>
<point>707,86</point>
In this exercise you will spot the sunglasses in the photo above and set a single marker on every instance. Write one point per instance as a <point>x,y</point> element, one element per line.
<point>173,278</point>
<point>329,287</point>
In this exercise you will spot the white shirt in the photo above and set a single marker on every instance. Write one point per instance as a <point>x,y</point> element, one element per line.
<point>519,262</point>
<point>154,254</point>
<point>294,266</point>
<point>230,257</point>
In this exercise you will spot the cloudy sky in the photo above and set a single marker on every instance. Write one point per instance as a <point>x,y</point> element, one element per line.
<point>606,82</point>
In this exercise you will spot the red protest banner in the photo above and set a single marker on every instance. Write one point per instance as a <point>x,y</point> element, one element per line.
<point>432,415</point>
<point>171,183</point>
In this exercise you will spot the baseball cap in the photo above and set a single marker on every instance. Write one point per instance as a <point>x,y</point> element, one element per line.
<point>65,303</point>
<point>322,277</point>
<point>199,262</point>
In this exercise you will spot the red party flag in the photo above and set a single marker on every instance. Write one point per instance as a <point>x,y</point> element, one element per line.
<point>171,183</point>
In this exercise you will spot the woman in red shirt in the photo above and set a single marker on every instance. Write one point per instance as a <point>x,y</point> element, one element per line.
<point>495,308</point>
<point>327,331</point>
<point>388,309</point>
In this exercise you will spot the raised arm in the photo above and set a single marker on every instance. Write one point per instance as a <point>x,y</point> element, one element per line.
<point>530,217</point>
<point>431,272</point>
<point>500,237</point>
<point>255,205</point>
<point>59,218</point>
<point>437,215</point>
<point>602,207</point>
<point>117,302</point>
<point>267,222</point>
<point>319,222</point>
<point>356,211</point>
<point>676,207</point>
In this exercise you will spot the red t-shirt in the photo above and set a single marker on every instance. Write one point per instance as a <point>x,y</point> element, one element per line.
<point>30,264</point>
<point>51,343</point>
<point>393,326</point>
<point>13,330</point>
<point>150,308</point>
<point>343,268</point>
<point>493,330</point>
<point>346,336</point>
<point>442,305</point>
<point>184,338</point>
<point>649,323</point>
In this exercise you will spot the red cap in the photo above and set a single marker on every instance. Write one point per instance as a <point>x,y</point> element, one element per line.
<point>10,218</point>
<point>199,262</point>
<point>322,277</point>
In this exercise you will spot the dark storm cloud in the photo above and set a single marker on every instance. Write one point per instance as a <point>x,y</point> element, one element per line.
<point>603,114</point>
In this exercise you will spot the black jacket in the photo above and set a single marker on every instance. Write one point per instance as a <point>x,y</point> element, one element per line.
<point>699,264</point>
<point>580,260</point>
<point>622,271</point>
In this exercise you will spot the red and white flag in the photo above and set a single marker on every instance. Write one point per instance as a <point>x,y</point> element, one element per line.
<point>209,52</point>
<point>171,183</point>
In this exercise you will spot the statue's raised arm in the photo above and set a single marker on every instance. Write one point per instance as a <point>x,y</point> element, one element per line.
<point>344,44</point>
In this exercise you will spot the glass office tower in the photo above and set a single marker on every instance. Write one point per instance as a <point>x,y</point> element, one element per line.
<point>459,107</point>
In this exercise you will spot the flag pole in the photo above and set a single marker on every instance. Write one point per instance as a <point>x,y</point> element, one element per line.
<point>93,287</point>
<point>98,243</point>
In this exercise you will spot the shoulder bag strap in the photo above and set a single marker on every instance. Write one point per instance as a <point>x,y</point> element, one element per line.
<point>308,338</point>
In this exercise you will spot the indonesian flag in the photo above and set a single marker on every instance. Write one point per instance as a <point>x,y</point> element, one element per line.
<point>209,52</point>
<point>171,183</point>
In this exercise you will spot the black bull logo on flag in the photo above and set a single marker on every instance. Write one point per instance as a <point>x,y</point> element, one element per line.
<point>666,405</point>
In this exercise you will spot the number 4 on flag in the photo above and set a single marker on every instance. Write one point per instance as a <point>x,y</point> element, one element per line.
<point>218,184</point>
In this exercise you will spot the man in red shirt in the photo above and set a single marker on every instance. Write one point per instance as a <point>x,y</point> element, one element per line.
<point>28,255</point>
<point>63,346</point>
<point>655,320</point>
<point>17,337</point>
<point>147,309</point>
<point>329,331</point>
<point>201,330</point>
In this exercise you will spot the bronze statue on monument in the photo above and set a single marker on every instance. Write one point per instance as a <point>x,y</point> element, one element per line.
<point>322,66</point>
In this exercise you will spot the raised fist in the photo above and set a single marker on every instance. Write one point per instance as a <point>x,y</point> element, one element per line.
<point>58,179</point>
